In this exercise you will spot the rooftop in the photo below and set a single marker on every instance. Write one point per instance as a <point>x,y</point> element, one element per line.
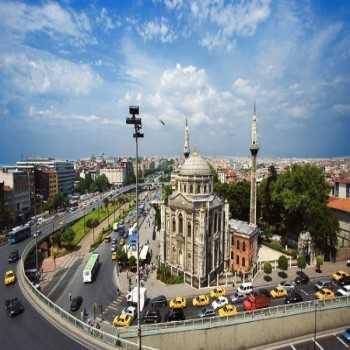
<point>243,227</point>
<point>195,165</point>
<point>339,204</point>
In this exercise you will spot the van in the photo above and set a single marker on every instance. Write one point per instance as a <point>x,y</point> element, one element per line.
<point>323,284</point>
<point>245,288</point>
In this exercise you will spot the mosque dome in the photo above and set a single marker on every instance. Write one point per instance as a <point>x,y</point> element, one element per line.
<point>195,165</point>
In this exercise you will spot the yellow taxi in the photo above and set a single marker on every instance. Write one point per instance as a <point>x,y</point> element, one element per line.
<point>177,303</point>
<point>227,310</point>
<point>114,255</point>
<point>122,320</point>
<point>217,292</point>
<point>9,278</point>
<point>200,300</point>
<point>325,294</point>
<point>339,275</point>
<point>278,292</point>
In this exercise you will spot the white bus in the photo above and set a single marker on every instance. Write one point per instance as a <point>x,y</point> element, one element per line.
<point>91,268</point>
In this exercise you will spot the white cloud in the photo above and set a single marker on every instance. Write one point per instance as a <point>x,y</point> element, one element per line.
<point>297,111</point>
<point>157,30</point>
<point>106,22</point>
<point>342,108</point>
<point>245,88</point>
<point>323,38</point>
<point>31,73</point>
<point>173,4</point>
<point>51,18</point>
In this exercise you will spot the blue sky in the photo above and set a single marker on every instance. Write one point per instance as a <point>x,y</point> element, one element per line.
<point>70,69</point>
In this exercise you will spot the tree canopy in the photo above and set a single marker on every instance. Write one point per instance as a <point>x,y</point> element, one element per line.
<point>296,201</point>
<point>59,200</point>
<point>88,185</point>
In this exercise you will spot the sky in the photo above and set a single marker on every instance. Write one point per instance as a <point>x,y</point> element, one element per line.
<point>70,69</point>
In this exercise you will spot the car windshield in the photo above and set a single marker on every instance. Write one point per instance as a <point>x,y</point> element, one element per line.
<point>9,274</point>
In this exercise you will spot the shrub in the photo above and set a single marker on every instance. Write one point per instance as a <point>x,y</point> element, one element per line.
<point>267,268</point>
<point>319,260</point>
<point>283,263</point>
<point>301,262</point>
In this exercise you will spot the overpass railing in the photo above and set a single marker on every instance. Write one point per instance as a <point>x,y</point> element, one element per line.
<point>312,306</point>
<point>66,317</point>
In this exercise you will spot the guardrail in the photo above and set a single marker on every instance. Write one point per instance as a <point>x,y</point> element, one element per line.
<point>241,317</point>
<point>108,338</point>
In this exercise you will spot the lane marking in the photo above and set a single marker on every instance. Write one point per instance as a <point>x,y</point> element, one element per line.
<point>318,344</point>
<point>342,341</point>
<point>293,347</point>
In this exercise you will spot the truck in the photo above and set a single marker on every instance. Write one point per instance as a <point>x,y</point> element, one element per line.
<point>131,297</point>
<point>254,302</point>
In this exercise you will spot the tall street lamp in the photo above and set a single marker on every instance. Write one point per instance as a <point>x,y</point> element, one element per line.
<point>133,120</point>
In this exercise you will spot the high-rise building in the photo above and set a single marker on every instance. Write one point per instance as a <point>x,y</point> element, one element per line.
<point>64,170</point>
<point>187,141</point>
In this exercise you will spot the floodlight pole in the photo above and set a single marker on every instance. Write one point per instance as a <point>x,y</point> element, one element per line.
<point>134,110</point>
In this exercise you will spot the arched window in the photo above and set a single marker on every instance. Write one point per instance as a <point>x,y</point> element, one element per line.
<point>174,225</point>
<point>216,222</point>
<point>243,246</point>
<point>185,188</point>
<point>198,188</point>
<point>243,262</point>
<point>205,188</point>
<point>180,224</point>
<point>237,259</point>
<point>237,243</point>
<point>189,227</point>
<point>191,188</point>
<point>210,224</point>
<point>219,222</point>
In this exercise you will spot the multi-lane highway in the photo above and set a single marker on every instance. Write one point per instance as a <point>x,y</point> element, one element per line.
<point>30,330</point>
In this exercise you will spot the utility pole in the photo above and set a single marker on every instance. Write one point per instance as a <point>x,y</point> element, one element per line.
<point>315,329</point>
<point>134,110</point>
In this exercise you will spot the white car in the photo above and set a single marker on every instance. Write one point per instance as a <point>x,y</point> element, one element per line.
<point>130,310</point>
<point>288,285</point>
<point>237,297</point>
<point>219,302</point>
<point>345,291</point>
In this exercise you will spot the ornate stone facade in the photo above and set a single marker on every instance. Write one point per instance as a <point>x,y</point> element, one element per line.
<point>194,223</point>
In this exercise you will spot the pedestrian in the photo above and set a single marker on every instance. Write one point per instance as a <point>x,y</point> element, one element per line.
<point>82,315</point>
<point>70,296</point>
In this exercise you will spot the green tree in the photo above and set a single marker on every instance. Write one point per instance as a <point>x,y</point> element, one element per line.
<point>132,261</point>
<point>238,197</point>
<point>59,200</point>
<point>92,223</point>
<point>166,192</point>
<point>301,262</point>
<point>7,217</point>
<point>67,236</point>
<point>319,261</point>
<point>283,263</point>
<point>267,267</point>
<point>102,183</point>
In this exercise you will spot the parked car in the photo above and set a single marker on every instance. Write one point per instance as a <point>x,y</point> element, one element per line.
<point>293,298</point>
<point>207,312</point>
<point>152,316</point>
<point>159,301</point>
<point>227,310</point>
<point>325,294</point>
<point>337,276</point>
<point>344,291</point>
<point>302,278</point>
<point>131,311</point>
<point>114,255</point>
<point>219,302</point>
<point>9,278</point>
<point>200,300</point>
<point>13,257</point>
<point>217,292</point>
<point>245,288</point>
<point>107,239</point>
<point>175,315</point>
<point>76,303</point>
<point>237,297</point>
<point>346,335</point>
<point>323,284</point>
<point>14,307</point>
<point>348,262</point>
<point>122,320</point>
<point>256,302</point>
<point>278,292</point>
<point>177,303</point>
<point>287,285</point>
<point>345,281</point>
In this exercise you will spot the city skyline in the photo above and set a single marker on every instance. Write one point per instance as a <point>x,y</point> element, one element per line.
<point>69,72</point>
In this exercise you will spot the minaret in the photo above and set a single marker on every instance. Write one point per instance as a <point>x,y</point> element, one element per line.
<point>254,148</point>
<point>187,142</point>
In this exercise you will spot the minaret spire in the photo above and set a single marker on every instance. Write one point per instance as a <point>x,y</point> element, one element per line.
<point>254,148</point>
<point>187,141</point>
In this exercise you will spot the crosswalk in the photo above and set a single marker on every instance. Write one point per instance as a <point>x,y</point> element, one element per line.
<point>113,308</point>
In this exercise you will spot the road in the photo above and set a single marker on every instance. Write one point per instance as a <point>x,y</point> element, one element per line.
<point>102,292</point>
<point>30,330</point>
